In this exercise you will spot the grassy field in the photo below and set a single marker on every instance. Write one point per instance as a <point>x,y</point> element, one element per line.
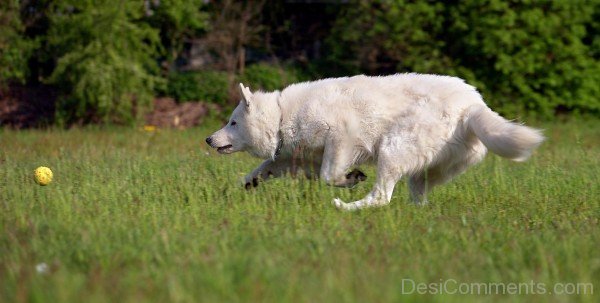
<point>135,216</point>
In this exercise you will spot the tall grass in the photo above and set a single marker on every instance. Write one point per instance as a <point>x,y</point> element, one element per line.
<point>156,216</point>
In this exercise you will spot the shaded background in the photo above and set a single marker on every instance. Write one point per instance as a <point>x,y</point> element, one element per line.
<point>170,62</point>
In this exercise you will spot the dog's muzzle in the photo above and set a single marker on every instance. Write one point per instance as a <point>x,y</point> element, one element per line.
<point>226,149</point>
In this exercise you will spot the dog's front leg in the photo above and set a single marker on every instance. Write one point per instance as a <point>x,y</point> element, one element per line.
<point>268,169</point>
<point>338,158</point>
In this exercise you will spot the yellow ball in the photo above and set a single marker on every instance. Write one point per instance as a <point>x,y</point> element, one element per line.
<point>42,175</point>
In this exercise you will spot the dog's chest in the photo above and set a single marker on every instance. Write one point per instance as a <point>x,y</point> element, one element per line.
<point>308,135</point>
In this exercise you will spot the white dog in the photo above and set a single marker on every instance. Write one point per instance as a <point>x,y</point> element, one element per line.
<point>427,127</point>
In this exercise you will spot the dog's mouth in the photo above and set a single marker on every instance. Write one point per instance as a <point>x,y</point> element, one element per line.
<point>227,149</point>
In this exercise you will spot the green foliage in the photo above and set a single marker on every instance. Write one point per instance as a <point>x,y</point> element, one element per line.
<point>106,59</point>
<point>208,86</point>
<point>269,77</point>
<point>528,56</point>
<point>178,21</point>
<point>531,55</point>
<point>385,36</point>
<point>15,49</point>
<point>213,86</point>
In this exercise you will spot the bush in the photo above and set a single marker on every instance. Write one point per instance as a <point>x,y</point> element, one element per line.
<point>208,86</point>
<point>214,86</point>
<point>268,77</point>
<point>530,57</point>
<point>15,49</point>
<point>106,68</point>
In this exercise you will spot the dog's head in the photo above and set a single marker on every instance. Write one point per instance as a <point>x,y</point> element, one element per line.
<point>252,127</point>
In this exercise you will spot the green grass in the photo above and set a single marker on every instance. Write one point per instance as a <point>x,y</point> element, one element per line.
<point>134,216</point>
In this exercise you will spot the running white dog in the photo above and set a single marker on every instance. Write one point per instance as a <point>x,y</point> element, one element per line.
<point>427,127</point>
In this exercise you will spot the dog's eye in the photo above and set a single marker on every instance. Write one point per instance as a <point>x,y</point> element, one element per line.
<point>233,123</point>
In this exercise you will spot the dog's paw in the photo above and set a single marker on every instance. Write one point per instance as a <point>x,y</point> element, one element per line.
<point>341,205</point>
<point>421,203</point>
<point>251,184</point>
<point>419,200</point>
<point>338,203</point>
<point>355,176</point>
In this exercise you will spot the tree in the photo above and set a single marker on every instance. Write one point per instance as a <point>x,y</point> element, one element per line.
<point>525,56</point>
<point>179,22</point>
<point>530,55</point>
<point>234,25</point>
<point>106,59</point>
<point>15,48</point>
<point>388,36</point>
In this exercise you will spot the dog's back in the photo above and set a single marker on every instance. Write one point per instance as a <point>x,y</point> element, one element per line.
<point>369,107</point>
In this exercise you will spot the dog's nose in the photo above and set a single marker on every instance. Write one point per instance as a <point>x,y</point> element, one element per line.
<point>209,140</point>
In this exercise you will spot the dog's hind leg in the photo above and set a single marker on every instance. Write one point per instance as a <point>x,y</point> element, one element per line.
<point>421,183</point>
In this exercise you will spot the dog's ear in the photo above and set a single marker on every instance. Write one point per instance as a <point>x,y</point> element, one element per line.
<point>246,95</point>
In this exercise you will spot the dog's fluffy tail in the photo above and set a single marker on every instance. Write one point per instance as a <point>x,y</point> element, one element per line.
<point>504,138</point>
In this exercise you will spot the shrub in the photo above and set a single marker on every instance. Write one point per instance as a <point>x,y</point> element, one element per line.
<point>178,21</point>
<point>15,49</point>
<point>208,86</point>
<point>106,60</point>
<point>268,77</point>
<point>530,57</point>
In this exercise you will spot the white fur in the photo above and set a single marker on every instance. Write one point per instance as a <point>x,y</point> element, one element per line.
<point>427,127</point>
